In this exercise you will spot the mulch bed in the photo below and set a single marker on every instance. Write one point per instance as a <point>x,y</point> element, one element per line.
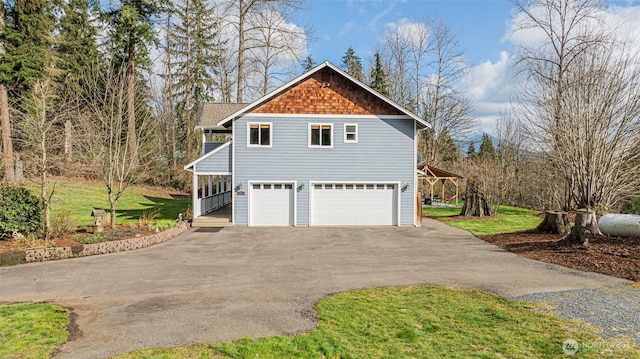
<point>618,257</point>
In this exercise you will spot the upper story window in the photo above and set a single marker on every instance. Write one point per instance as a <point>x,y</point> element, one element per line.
<point>259,134</point>
<point>351,133</point>
<point>320,135</point>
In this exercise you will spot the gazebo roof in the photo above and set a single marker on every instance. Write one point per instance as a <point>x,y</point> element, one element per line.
<point>430,171</point>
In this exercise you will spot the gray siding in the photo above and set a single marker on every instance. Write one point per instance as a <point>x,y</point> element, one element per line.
<point>219,162</point>
<point>384,152</point>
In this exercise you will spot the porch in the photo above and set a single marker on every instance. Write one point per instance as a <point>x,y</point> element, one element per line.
<point>220,217</point>
<point>211,194</point>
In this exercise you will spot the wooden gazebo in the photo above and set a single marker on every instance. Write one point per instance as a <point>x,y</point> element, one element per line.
<point>432,175</point>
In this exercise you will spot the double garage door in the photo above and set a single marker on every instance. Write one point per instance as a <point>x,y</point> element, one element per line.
<point>331,204</point>
<point>354,204</point>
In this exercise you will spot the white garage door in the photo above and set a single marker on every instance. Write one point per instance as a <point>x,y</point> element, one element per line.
<point>354,204</point>
<point>272,204</point>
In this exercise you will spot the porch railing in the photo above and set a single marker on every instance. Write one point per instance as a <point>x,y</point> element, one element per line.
<point>211,203</point>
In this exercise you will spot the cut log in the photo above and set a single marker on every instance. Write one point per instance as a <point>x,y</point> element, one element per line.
<point>556,222</point>
<point>586,225</point>
<point>475,204</point>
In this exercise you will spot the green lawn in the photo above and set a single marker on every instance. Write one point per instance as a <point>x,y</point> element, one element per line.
<point>80,198</point>
<point>31,330</point>
<point>416,322</point>
<point>509,219</point>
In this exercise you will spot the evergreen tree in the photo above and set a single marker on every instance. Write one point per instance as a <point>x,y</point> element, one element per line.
<point>26,60</point>
<point>471,150</point>
<point>487,150</point>
<point>352,64</point>
<point>379,77</point>
<point>28,39</point>
<point>193,54</point>
<point>77,48</point>
<point>449,150</point>
<point>132,36</point>
<point>308,63</point>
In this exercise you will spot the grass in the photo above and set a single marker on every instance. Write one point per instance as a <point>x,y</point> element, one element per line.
<point>80,198</point>
<point>32,330</point>
<point>509,219</point>
<point>416,322</point>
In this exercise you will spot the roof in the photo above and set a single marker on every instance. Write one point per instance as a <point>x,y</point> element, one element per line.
<point>430,171</point>
<point>241,110</point>
<point>209,114</point>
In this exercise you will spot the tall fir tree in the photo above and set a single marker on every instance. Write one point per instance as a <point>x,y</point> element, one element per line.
<point>193,53</point>
<point>308,63</point>
<point>352,64</point>
<point>27,59</point>
<point>379,77</point>
<point>77,47</point>
<point>132,36</point>
<point>487,150</point>
<point>471,150</point>
<point>27,36</point>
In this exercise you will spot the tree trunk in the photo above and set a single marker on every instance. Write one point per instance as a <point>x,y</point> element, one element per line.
<point>7,143</point>
<point>131,111</point>
<point>68,145</point>
<point>555,222</point>
<point>112,215</point>
<point>586,225</point>
<point>475,204</point>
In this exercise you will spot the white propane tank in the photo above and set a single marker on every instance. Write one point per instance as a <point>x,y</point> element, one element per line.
<point>620,225</point>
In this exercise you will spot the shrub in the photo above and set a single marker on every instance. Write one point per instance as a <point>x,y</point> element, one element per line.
<point>20,211</point>
<point>62,224</point>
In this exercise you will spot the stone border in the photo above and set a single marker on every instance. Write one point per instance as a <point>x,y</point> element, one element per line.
<point>83,250</point>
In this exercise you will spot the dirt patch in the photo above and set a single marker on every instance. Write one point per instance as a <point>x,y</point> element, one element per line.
<point>618,257</point>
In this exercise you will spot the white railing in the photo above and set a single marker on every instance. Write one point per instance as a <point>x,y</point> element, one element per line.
<point>211,203</point>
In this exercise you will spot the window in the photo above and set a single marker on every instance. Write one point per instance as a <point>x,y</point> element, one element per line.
<point>320,135</point>
<point>259,134</point>
<point>350,133</point>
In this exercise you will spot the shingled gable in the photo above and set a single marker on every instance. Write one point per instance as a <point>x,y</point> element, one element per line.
<point>325,90</point>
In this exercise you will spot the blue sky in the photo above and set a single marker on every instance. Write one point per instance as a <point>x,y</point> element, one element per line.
<point>479,25</point>
<point>482,27</point>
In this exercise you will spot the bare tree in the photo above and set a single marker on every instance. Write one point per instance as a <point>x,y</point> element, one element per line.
<point>580,102</point>
<point>106,135</point>
<point>443,106</point>
<point>241,15</point>
<point>425,61</point>
<point>277,47</point>
<point>43,119</point>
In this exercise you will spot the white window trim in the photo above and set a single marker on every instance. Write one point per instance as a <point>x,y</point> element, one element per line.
<point>259,123</point>
<point>309,134</point>
<point>345,133</point>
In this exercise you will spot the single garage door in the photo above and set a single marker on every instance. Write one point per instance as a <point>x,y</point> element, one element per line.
<point>271,204</point>
<point>354,204</point>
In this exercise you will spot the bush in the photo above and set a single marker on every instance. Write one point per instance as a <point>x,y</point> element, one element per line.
<point>20,211</point>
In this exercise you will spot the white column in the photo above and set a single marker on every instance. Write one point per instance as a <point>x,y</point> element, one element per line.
<point>196,202</point>
<point>210,185</point>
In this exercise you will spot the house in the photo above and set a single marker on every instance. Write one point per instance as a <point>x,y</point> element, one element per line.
<point>324,149</point>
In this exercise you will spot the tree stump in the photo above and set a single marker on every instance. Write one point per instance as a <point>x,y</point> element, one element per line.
<point>475,204</point>
<point>556,222</point>
<point>586,225</point>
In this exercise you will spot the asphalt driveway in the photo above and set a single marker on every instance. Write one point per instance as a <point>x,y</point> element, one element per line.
<point>213,287</point>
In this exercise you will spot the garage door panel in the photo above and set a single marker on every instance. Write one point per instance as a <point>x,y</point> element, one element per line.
<point>271,204</point>
<point>354,204</point>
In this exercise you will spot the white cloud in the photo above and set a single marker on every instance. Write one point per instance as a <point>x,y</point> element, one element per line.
<point>346,28</point>
<point>413,33</point>
<point>489,87</point>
